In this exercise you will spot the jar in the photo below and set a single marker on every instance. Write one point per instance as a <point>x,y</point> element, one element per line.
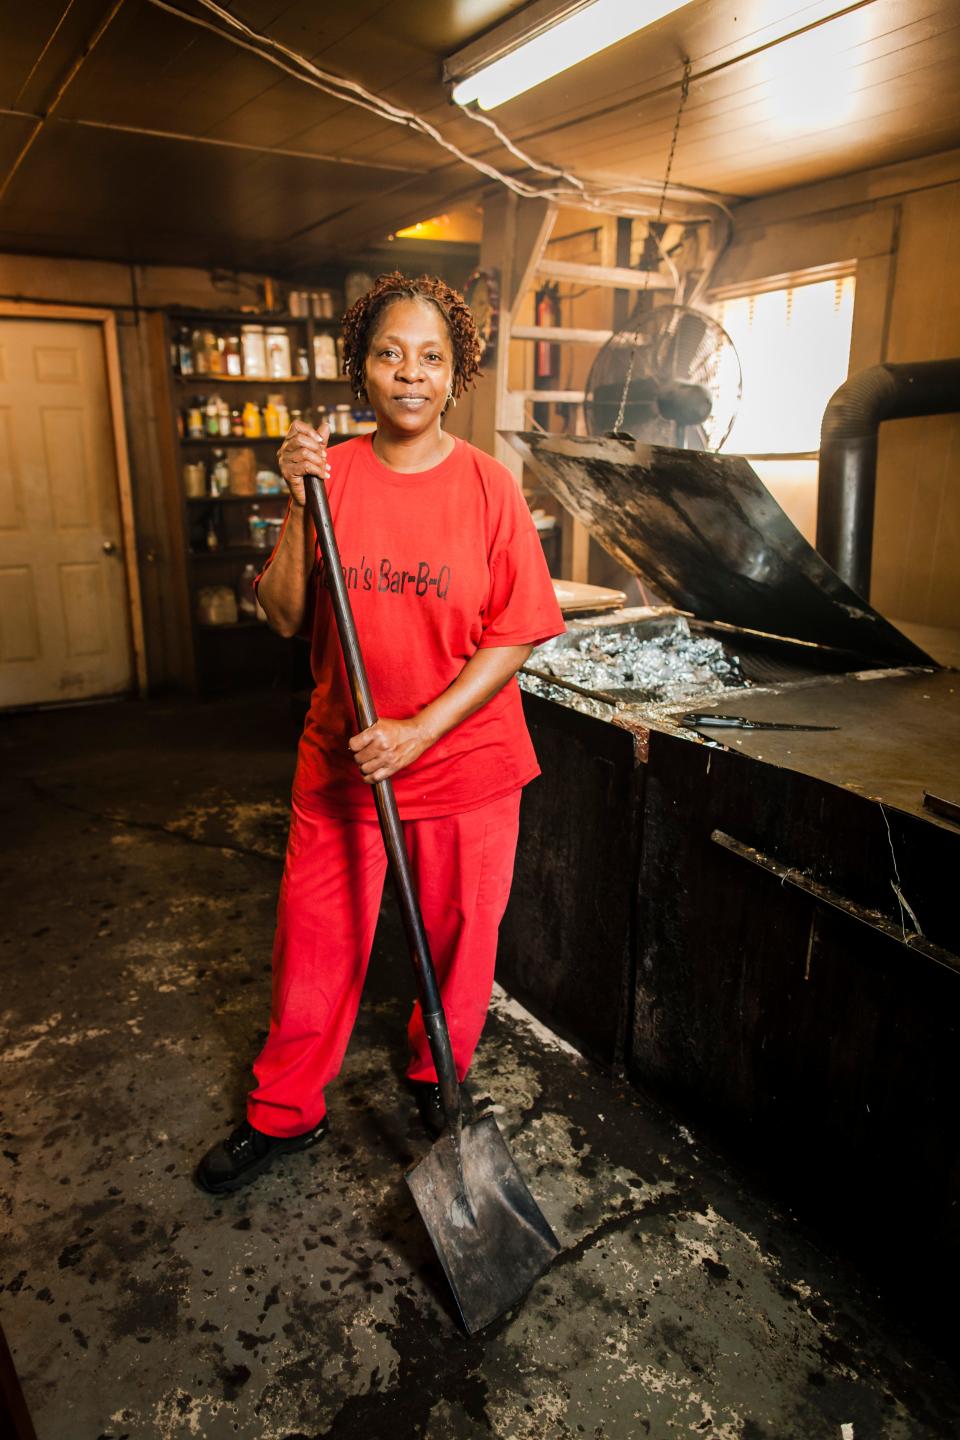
<point>195,479</point>
<point>216,605</point>
<point>278,353</point>
<point>211,423</point>
<point>303,361</point>
<point>324,357</point>
<point>236,422</point>
<point>223,410</point>
<point>342,420</point>
<point>322,301</point>
<point>254,348</point>
<point>242,463</point>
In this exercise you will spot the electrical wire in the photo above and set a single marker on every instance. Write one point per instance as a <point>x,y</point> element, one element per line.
<point>573,190</point>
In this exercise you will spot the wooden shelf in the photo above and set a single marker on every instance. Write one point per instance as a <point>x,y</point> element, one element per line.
<point>210,380</point>
<point>204,626</point>
<point>217,442</point>
<point>255,499</point>
<point>243,317</point>
<point>232,552</point>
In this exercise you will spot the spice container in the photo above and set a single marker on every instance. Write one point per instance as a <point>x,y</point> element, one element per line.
<point>253,344</point>
<point>342,421</point>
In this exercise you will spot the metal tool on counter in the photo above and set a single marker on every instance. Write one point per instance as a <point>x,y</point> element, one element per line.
<point>489,1233</point>
<point>708,721</point>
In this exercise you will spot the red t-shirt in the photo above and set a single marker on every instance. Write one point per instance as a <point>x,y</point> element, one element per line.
<point>438,563</point>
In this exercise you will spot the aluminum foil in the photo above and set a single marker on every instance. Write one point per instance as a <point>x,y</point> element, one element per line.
<point>669,666</point>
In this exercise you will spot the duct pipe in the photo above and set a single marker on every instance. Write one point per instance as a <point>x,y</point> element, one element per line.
<point>848,453</point>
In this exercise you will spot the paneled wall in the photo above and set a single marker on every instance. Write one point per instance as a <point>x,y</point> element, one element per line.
<point>901,225</point>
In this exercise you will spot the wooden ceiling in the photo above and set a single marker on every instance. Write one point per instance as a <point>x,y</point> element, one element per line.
<point>165,142</point>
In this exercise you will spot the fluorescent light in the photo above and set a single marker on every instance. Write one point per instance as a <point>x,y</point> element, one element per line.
<point>551,51</point>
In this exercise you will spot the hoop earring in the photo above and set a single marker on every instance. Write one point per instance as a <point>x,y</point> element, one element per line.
<point>451,400</point>
<point>362,393</point>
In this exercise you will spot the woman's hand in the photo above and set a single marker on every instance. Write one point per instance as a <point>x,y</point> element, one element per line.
<point>387,747</point>
<point>303,452</point>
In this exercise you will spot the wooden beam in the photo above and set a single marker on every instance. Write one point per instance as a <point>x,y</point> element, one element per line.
<point>613,276</point>
<point>533,223</point>
<point>560,333</point>
<point>551,397</point>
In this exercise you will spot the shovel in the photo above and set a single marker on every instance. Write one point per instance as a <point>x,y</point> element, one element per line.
<point>488,1231</point>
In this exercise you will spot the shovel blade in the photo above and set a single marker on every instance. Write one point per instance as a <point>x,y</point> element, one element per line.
<point>491,1237</point>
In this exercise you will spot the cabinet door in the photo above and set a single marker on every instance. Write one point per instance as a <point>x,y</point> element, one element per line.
<point>826,1051</point>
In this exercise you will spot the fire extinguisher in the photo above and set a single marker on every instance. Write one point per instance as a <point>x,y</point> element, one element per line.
<point>547,310</point>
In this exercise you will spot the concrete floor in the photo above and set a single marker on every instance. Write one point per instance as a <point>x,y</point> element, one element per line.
<point>142,862</point>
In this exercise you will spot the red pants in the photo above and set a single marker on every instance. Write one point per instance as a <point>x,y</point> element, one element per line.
<point>326,918</point>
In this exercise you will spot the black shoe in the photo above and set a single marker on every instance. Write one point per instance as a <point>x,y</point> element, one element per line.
<point>430,1104</point>
<point>246,1154</point>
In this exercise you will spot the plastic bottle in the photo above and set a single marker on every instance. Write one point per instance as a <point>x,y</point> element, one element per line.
<point>252,427</point>
<point>271,417</point>
<point>246,593</point>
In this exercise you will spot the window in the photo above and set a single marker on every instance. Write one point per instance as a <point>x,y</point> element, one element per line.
<point>794,348</point>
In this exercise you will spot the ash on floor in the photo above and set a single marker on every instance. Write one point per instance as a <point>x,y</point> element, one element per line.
<point>143,857</point>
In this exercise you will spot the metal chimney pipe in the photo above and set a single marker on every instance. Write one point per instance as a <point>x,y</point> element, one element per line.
<point>848,453</point>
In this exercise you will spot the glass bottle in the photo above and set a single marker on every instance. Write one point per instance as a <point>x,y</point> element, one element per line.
<point>212,416</point>
<point>195,418</point>
<point>184,349</point>
<point>220,473</point>
<point>232,354</point>
<point>197,345</point>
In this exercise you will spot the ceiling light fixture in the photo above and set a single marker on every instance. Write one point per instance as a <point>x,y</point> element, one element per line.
<point>543,41</point>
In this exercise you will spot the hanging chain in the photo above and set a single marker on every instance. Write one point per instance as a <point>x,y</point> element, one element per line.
<point>684,92</point>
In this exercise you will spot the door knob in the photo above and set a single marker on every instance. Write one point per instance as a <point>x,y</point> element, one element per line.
<point>109,547</point>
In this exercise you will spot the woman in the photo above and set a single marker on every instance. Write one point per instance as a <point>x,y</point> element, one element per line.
<point>450,594</point>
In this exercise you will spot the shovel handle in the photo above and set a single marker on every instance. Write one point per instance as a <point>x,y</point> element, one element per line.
<point>431,1005</point>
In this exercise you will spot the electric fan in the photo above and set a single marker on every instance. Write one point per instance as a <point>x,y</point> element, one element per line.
<point>684,381</point>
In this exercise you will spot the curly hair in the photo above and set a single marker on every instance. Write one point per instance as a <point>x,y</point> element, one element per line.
<point>360,320</point>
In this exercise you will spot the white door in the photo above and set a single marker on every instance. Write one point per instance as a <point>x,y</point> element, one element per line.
<point>64,608</point>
